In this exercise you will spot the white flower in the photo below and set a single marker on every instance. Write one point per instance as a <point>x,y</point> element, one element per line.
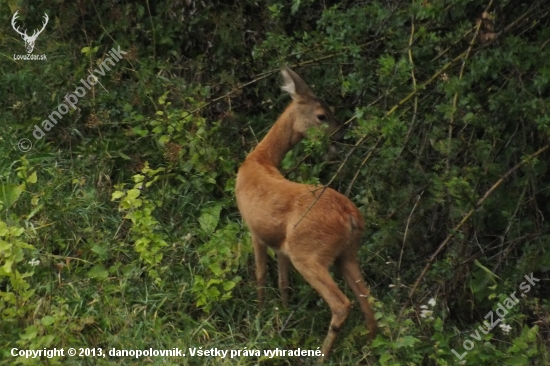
<point>427,314</point>
<point>34,262</point>
<point>505,328</point>
<point>423,306</point>
<point>431,302</point>
<point>392,285</point>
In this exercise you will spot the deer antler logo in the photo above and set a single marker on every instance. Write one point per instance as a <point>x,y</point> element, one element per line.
<point>29,40</point>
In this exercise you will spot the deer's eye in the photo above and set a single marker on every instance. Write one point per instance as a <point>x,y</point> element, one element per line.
<point>322,117</point>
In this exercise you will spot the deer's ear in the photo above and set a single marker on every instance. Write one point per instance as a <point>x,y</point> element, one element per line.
<point>294,85</point>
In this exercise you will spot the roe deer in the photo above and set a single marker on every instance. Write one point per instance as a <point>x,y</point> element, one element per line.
<point>276,212</point>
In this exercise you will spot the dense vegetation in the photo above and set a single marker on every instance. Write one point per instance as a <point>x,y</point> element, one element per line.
<point>119,227</point>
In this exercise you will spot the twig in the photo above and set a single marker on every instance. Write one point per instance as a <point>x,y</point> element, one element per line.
<point>324,188</point>
<point>414,87</point>
<point>348,191</point>
<point>153,30</point>
<point>265,74</point>
<point>426,83</point>
<point>396,210</point>
<point>336,131</point>
<point>504,254</point>
<point>309,155</point>
<point>455,98</point>
<point>407,229</point>
<point>293,311</point>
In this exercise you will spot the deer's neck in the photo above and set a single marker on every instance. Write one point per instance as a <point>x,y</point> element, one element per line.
<point>278,141</point>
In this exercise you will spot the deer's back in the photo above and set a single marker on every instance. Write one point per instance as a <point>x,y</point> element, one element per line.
<point>276,209</point>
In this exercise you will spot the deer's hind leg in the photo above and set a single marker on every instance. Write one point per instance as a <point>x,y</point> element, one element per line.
<point>349,266</point>
<point>318,276</point>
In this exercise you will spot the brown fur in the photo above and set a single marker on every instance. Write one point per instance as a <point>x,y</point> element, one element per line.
<point>275,209</point>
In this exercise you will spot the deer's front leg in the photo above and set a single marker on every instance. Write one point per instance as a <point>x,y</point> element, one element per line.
<point>284,284</point>
<point>260,258</point>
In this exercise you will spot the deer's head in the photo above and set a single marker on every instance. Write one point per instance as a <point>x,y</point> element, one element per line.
<point>309,110</point>
<point>29,40</point>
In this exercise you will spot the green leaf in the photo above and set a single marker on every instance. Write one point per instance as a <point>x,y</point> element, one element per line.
<point>116,195</point>
<point>16,231</point>
<point>140,131</point>
<point>438,324</point>
<point>228,285</point>
<point>98,271</point>
<point>30,333</point>
<point>133,193</point>
<point>9,193</point>
<point>138,178</point>
<point>164,139</point>
<point>209,218</point>
<point>47,320</point>
<point>101,250</point>
<point>487,270</point>
<point>295,6</point>
<point>517,360</point>
<point>379,341</point>
<point>7,266</point>
<point>407,341</point>
<point>3,228</point>
<point>385,358</point>
<point>215,268</point>
<point>4,245</point>
<point>32,178</point>
<point>88,51</point>
<point>124,156</point>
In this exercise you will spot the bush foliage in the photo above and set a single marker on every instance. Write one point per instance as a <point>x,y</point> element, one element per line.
<point>119,228</point>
